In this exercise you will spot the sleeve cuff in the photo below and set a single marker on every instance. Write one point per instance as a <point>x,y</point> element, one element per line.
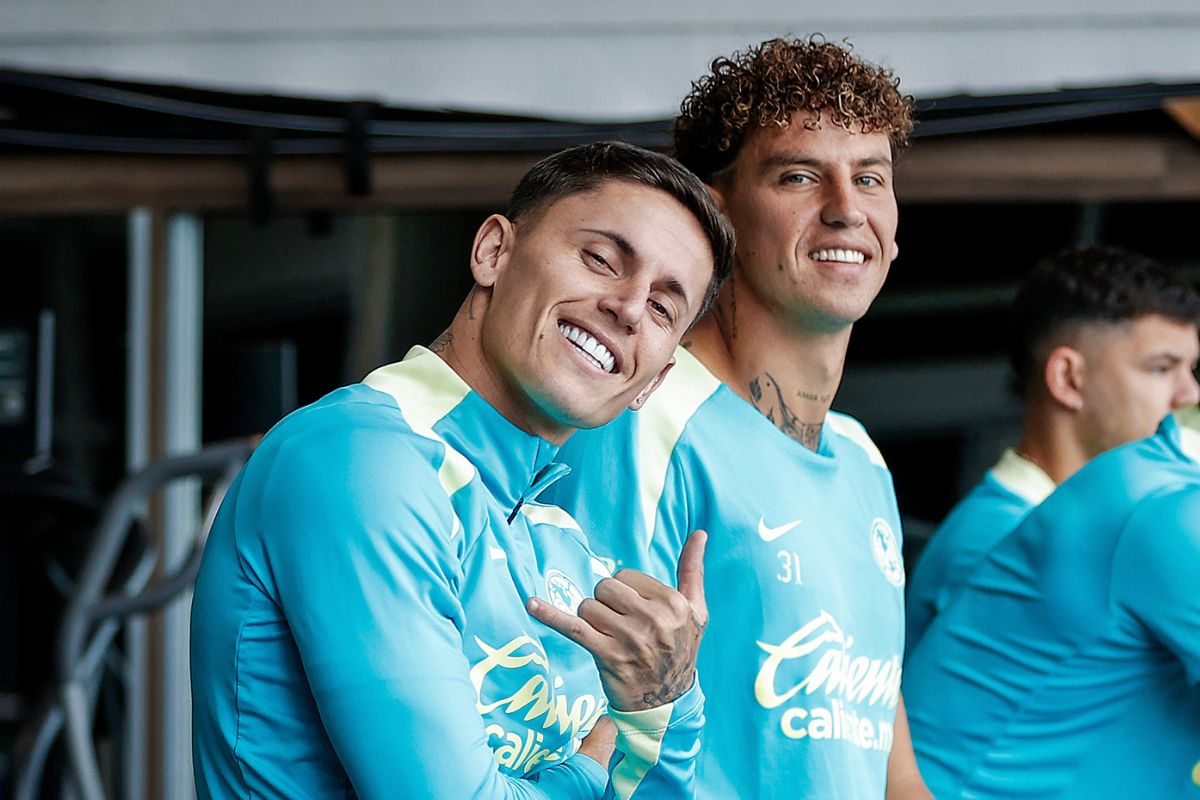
<point>659,718</point>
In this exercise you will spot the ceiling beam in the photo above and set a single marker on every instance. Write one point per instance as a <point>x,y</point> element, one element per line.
<point>49,184</point>
<point>1050,168</point>
<point>966,169</point>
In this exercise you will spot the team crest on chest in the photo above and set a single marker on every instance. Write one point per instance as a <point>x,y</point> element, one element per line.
<point>886,550</point>
<point>562,592</point>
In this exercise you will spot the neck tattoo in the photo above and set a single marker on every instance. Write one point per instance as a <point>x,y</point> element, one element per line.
<point>773,407</point>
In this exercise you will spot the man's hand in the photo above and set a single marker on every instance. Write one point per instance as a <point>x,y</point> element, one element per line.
<point>903,778</point>
<point>601,742</point>
<point>643,634</point>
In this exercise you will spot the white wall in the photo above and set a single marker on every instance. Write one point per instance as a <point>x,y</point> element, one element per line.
<point>606,59</point>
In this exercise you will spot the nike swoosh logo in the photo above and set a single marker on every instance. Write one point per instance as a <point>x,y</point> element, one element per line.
<point>771,534</point>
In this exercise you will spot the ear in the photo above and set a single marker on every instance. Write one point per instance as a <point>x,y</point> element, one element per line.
<point>644,395</point>
<point>1065,375</point>
<point>493,242</point>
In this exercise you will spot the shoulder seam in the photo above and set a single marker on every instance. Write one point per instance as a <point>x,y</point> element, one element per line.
<point>849,428</point>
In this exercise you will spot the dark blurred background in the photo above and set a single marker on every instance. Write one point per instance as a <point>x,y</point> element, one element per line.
<point>188,255</point>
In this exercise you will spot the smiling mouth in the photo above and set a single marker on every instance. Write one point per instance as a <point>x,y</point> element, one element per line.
<point>839,255</point>
<point>589,346</point>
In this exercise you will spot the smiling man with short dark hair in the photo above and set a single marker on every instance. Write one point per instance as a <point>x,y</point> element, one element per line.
<point>385,609</point>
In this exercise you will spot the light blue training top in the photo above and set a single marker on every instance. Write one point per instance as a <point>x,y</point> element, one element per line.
<point>804,579</point>
<point>986,515</point>
<point>359,623</point>
<point>1068,664</point>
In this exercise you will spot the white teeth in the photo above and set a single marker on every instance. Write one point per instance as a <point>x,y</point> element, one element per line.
<point>844,256</point>
<point>590,347</point>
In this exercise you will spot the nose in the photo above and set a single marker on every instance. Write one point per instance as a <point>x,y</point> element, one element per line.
<point>841,207</point>
<point>626,304</point>
<point>1188,393</point>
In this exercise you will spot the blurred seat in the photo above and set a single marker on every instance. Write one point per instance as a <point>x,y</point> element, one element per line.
<point>105,597</point>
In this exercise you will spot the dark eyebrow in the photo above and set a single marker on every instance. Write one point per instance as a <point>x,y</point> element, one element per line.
<point>1166,355</point>
<point>626,247</point>
<point>620,241</point>
<point>877,161</point>
<point>675,287</point>
<point>774,162</point>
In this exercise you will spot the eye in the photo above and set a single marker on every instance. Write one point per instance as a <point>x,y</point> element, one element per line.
<point>597,261</point>
<point>870,181</point>
<point>797,178</point>
<point>660,309</point>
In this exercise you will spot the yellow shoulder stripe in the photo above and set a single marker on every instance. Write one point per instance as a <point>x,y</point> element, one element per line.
<point>660,424</point>
<point>425,389</point>
<point>1022,477</point>
<point>852,430</point>
<point>540,514</point>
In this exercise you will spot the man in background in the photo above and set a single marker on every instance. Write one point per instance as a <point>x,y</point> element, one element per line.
<point>1067,665</point>
<point>1103,347</point>
<point>801,662</point>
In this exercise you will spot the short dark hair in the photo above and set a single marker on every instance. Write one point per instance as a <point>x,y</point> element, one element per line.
<point>587,167</point>
<point>1083,285</point>
<point>763,86</point>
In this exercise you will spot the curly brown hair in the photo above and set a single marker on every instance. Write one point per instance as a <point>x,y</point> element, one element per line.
<point>764,85</point>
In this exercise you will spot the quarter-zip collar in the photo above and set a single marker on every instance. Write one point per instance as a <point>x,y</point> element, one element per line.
<point>513,465</point>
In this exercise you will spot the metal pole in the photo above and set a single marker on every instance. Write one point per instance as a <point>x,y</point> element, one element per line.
<point>181,399</point>
<point>140,238</point>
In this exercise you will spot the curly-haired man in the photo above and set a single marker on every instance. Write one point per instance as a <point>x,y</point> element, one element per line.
<point>801,662</point>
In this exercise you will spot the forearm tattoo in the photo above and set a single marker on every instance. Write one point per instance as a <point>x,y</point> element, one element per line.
<point>773,406</point>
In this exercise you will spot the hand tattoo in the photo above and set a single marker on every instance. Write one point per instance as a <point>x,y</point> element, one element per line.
<point>676,675</point>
